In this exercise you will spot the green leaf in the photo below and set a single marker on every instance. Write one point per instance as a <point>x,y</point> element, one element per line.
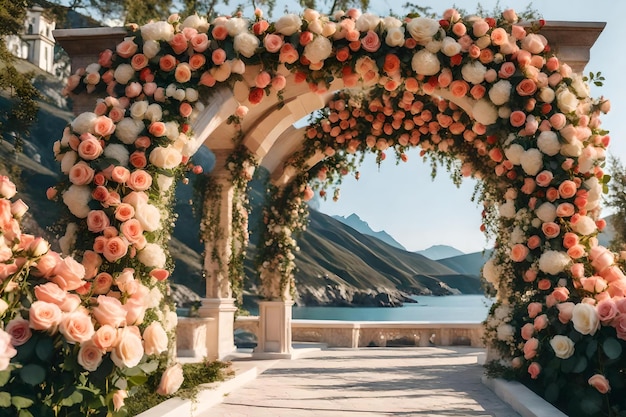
<point>44,349</point>
<point>33,374</point>
<point>612,348</point>
<point>149,367</point>
<point>5,399</point>
<point>4,377</point>
<point>21,402</point>
<point>75,398</point>
<point>25,413</point>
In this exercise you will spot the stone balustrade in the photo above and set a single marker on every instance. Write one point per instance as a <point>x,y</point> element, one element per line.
<point>355,334</point>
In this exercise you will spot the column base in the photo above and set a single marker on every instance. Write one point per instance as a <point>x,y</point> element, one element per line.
<point>274,338</point>
<point>220,340</point>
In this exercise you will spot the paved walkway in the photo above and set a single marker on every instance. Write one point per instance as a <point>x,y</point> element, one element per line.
<point>368,382</point>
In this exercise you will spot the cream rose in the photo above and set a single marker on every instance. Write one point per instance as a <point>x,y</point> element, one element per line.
<point>485,112</point>
<point>585,318</point>
<point>129,351</point>
<point>68,161</point>
<point>318,50</point>
<point>157,31</point>
<point>151,48</point>
<point>422,29</point>
<point>167,158</point>
<point>124,73</point>
<point>474,72</point>
<point>164,182</point>
<point>367,21</point>
<point>154,112</point>
<point>546,212</point>
<point>553,262</point>
<point>585,226</point>
<point>246,44</point>
<point>500,92</point>
<point>563,346</point>
<point>505,332</point>
<point>128,130</point>
<point>194,21</point>
<point>148,216</point>
<point>117,152</point>
<point>152,255</point>
<point>138,109</point>
<point>76,198</point>
<point>491,272</point>
<point>547,95</point>
<point>425,63</point>
<point>236,26</point>
<point>450,47</point>
<point>395,37</point>
<point>155,339</point>
<point>566,100</point>
<point>548,143</point>
<point>83,123</point>
<point>580,86</point>
<point>532,161</point>
<point>288,24</point>
<point>507,210</point>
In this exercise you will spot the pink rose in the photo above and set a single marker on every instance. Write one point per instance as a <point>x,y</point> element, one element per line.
<point>155,339</point>
<point>19,330</point>
<point>279,82</point>
<point>50,293</point>
<point>171,380</point>
<point>97,221</point>
<point>129,351</point>
<point>179,43</point>
<point>91,261</point>
<point>135,306</point>
<point>607,311</point>
<point>90,149</point>
<point>576,251</point>
<point>534,369</point>
<point>103,126</point>
<point>273,43</point>
<point>199,42</point>
<point>601,258</point>
<point>139,180</point>
<point>519,252</point>
<point>157,129</point>
<point>550,229</point>
<point>7,351</point>
<point>81,173</point>
<point>541,322</point>
<point>89,356</point>
<point>126,48</point>
<point>565,210</point>
<point>530,348</point>
<point>139,62</point>
<point>133,89</point>
<point>480,28</point>
<point>528,331</point>
<point>102,283</point>
<point>105,338</point>
<point>544,178</point>
<point>68,274</point>
<point>109,311</point>
<point>600,383</point>
<point>534,309</point>
<point>517,118</point>
<point>565,311</point>
<point>44,316</point>
<point>613,273</point>
<point>288,54</point>
<point>560,294</point>
<point>118,399</point>
<point>132,230</point>
<point>371,41</point>
<point>115,248</point>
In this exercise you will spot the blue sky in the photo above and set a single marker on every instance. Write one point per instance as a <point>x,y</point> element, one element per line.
<point>417,212</point>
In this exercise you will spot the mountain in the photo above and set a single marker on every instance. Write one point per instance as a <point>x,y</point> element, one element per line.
<point>361,226</point>
<point>469,264</point>
<point>437,252</point>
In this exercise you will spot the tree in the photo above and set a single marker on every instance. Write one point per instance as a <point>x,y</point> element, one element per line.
<point>617,201</point>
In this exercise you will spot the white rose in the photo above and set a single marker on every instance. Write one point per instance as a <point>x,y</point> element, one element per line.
<point>575,148</point>
<point>425,63</point>
<point>318,49</point>
<point>422,29</point>
<point>433,46</point>
<point>151,48</point>
<point>171,130</point>
<point>128,130</point>
<point>196,22</point>
<point>594,189</point>
<point>123,73</point>
<point>155,297</point>
<point>77,198</point>
<point>154,112</point>
<point>166,157</point>
<point>585,226</point>
<point>155,339</point>
<point>138,109</point>
<point>152,255</point>
<point>585,318</point>
<point>484,112</point>
<point>236,26</point>
<point>580,86</point>
<point>504,112</point>
<point>500,92</point>
<point>546,212</point>
<point>474,72</point>
<point>534,43</point>
<point>450,47</point>
<point>288,24</point>
<point>83,123</point>
<point>246,44</point>
<point>547,95</point>
<point>129,351</point>
<point>514,153</point>
<point>237,66</point>
<point>587,159</point>
<point>118,152</point>
<point>548,143</point>
<point>553,262</point>
<point>164,182</point>
<point>149,216</point>
<point>170,90</point>
<point>563,346</point>
<point>391,22</point>
<point>483,42</point>
<point>491,272</point>
<point>170,321</point>
<point>395,37</point>
<point>157,31</point>
<point>532,161</point>
<point>566,100</point>
<point>507,210</point>
<point>367,21</point>
<point>505,332</point>
<point>191,94</point>
<point>68,161</point>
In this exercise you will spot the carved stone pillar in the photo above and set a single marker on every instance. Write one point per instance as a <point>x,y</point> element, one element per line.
<point>219,303</point>
<point>274,337</point>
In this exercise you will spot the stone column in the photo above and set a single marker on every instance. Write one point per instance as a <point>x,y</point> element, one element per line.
<point>274,337</point>
<point>219,303</point>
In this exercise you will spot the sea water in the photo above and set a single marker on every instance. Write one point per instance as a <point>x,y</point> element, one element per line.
<point>448,309</point>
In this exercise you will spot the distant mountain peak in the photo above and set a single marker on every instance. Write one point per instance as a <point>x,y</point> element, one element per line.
<point>361,226</point>
<point>437,252</point>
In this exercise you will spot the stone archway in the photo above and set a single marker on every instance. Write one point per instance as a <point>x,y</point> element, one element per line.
<point>434,54</point>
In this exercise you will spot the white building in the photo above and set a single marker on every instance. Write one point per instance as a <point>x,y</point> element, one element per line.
<point>36,43</point>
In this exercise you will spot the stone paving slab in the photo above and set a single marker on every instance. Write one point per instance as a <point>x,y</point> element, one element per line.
<point>368,382</point>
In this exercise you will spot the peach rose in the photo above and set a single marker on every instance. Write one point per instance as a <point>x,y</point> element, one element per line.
<point>89,356</point>
<point>540,322</point>
<point>534,369</point>
<point>46,264</point>
<point>288,54</point>
<point>182,73</point>
<point>90,149</point>
<point>138,159</point>
<point>68,274</point>
<point>81,173</point>
<point>530,348</point>
<point>155,339</point>
<point>567,189</point>
<point>102,283</point>
<point>371,41</point>
<point>517,118</point>
<point>560,294</point>
<point>528,331</point>
<point>103,126</point>
<point>179,43</point>
<point>44,316</point>
<point>119,396</point>
<point>167,63</point>
<point>273,43</point>
<point>544,178</point>
<point>139,180</point>
<point>550,229</point>
<point>600,383</point>
<point>601,258</point>
<point>519,252</point>
<point>533,242</point>
<point>570,239</point>
<point>50,293</point>
<point>459,88</point>
<point>565,210</point>
<point>76,327</point>
<point>565,311</point>
<point>576,251</point>
<point>109,311</point>
<point>115,248</point>
<point>126,48</point>
<point>105,338</point>
<point>157,129</point>
<point>171,380</point>
<point>200,42</point>
<point>139,62</point>
<point>129,350</point>
<point>534,309</point>
<point>124,212</point>
<point>132,230</point>
<point>120,174</point>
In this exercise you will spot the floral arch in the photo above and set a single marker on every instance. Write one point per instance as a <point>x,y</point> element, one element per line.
<point>485,91</point>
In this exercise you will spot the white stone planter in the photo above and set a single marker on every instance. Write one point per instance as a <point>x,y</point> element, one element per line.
<point>521,399</point>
